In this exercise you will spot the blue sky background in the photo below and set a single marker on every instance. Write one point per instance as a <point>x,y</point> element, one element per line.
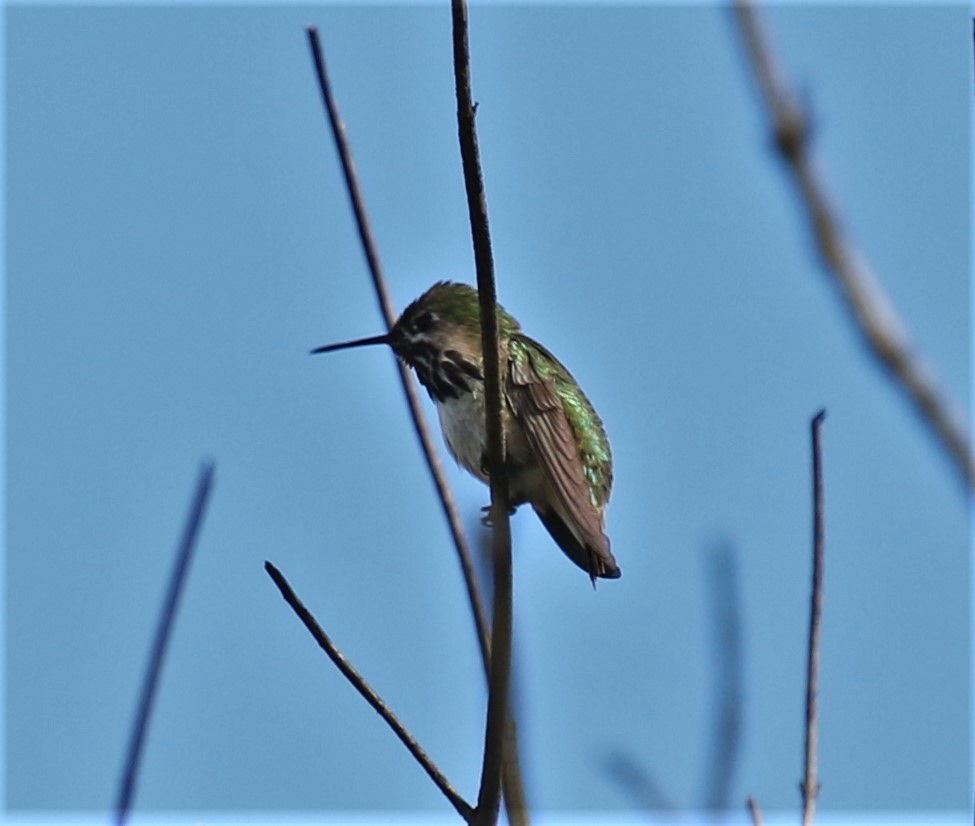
<point>178,237</point>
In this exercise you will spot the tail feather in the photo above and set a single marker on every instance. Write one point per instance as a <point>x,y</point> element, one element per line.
<point>596,561</point>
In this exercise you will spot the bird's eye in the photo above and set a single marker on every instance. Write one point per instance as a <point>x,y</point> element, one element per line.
<point>423,322</point>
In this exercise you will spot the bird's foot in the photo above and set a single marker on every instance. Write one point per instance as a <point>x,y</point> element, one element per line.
<point>486,514</point>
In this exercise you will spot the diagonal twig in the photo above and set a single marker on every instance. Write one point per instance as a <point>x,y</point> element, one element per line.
<point>409,388</point>
<point>810,784</point>
<point>463,808</point>
<point>489,796</point>
<point>177,581</point>
<point>870,308</point>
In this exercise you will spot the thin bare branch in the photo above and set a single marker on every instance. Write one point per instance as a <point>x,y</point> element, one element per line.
<point>515,804</point>
<point>489,796</point>
<point>810,784</point>
<point>177,582</point>
<point>512,786</point>
<point>463,808</point>
<point>409,388</point>
<point>755,812</point>
<point>869,307</point>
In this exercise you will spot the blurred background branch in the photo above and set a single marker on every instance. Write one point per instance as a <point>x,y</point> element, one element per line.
<point>167,616</point>
<point>754,812</point>
<point>644,791</point>
<point>870,309</point>
<point>724,603</point>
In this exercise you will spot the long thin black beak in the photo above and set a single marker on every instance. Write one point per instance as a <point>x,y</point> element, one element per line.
<point>359,342</point>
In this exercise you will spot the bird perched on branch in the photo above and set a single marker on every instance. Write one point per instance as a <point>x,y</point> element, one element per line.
<point>558,458</point>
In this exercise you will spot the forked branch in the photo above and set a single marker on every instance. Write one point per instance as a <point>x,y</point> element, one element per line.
<point>514,792</point>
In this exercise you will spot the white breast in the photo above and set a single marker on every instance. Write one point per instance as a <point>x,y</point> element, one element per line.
<point>462,421</point>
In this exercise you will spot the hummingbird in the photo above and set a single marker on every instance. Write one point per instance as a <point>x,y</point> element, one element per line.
<point>558,458</point>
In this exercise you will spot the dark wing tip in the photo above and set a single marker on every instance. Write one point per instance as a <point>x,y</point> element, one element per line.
<point>599,570</point>
<point>595,560</point>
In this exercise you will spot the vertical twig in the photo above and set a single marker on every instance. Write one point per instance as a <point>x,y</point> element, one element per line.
<point>489,795</point>
<point>358,682</point>
<point>810,784</point>
<point>512,784</point>
<point>177,581</point>
<point>871,311</point>
<point>409,389</point>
